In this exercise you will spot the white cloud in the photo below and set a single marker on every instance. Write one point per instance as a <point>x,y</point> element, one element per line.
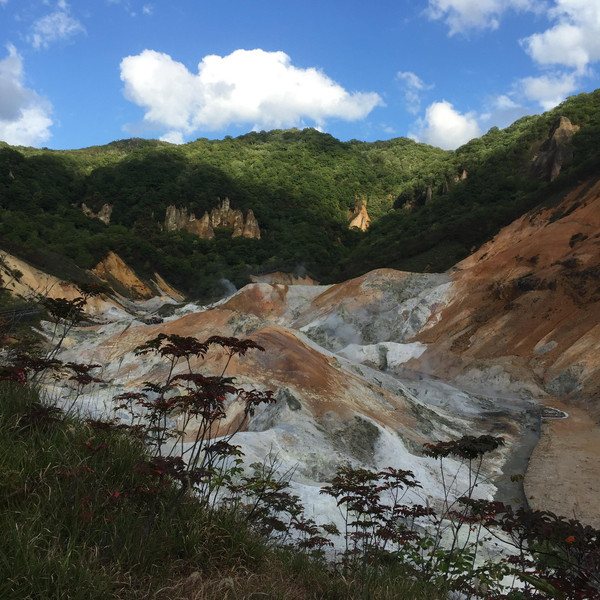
<point>12,93</point>
<point>445,127</point>
<point>463,15</point>
<point>24,116</point>
<point>548,90</point>
<point>573,41</point>
<point>58,25</point>
<point>413,87</point>
<point>412,80</point>
<point>173,137</point>
<point>246,87</point>
<point>503,102</point>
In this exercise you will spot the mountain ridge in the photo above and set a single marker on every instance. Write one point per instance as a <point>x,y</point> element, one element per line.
<point>300,185</point>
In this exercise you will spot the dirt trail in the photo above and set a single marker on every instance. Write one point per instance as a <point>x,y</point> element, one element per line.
<point>564,470</point>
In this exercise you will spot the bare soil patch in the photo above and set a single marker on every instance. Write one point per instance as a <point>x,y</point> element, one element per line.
<point>564,470</point>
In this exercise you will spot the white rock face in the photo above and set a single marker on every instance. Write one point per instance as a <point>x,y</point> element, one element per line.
<point>384,355</point>
<point>378,308</point>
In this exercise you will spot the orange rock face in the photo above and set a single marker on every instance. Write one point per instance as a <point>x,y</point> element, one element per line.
<point>33,283</point>
<point>360,217</point>
<point>112,269</point>
<point>530,298</point>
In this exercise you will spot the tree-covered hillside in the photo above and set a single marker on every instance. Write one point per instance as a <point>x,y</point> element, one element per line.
<point>500,185</point>
<point>429,207</point>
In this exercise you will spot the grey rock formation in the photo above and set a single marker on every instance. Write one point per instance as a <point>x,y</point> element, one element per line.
<point>556,151</point>
<point>103,214</point>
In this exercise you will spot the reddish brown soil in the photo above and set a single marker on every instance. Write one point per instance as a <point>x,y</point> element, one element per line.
<point>531,298</point>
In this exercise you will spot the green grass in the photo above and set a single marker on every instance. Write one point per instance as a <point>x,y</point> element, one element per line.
<point>79,520</point>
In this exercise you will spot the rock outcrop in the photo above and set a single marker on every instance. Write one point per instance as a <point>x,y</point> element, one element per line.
<point>177,219</point>
<point>31,283</point>
<point>114,271</point>
<point>251,228</point>
<point>556,151</point>
<point>103,214</point>
<point>117,274</point>
<point>359,216</point>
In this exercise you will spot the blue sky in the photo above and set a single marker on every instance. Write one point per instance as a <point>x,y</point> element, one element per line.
<point>85,72</point>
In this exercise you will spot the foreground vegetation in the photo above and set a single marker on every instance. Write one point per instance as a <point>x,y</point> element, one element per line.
<point>130,508</point>
<point>299,184</point>
<point>97,509</point>
<point>81,519</point>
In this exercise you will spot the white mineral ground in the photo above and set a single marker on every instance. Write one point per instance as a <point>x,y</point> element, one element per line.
<point>356,406</point>
<point>360,404</point>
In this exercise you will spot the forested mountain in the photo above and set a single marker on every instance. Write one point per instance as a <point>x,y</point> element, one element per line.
<point>428,207</point>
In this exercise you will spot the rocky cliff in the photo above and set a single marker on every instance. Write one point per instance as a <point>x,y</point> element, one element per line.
<point>556,151</point>
<point>124,281</point>
<point>360,218</point>
<point>115,272</point>
<point>177,219</point>
<point>30,283</point>
<point>103,214</point>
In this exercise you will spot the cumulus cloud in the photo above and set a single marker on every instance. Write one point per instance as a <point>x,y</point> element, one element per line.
<point>248,86</point>
<point>445,127</point>
<point>571,45</point>
<point>573,41</point>
<point>24,116</point>
<point>58,25</point>
<point>548,90</point>
<point>413,89</point>
<point>463,15</point>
